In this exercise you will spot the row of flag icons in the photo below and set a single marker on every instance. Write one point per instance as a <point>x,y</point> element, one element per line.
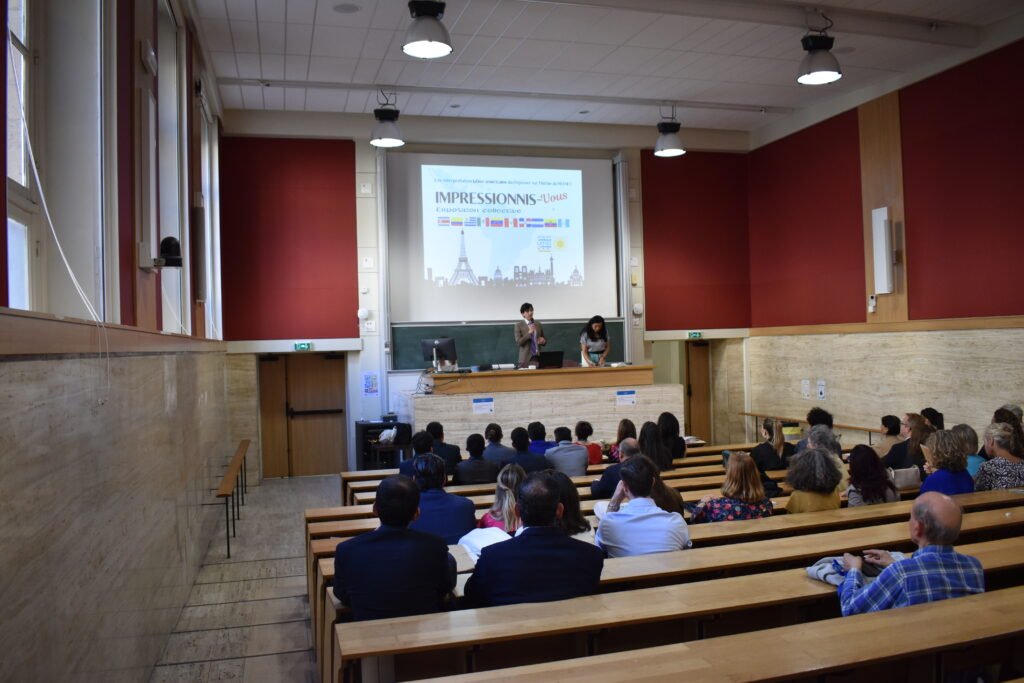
<point>477,222</point>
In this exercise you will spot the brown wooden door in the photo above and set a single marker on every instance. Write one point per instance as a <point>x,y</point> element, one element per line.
<point>316,413</point>
<point>698,389</point>
<point>273,416</point>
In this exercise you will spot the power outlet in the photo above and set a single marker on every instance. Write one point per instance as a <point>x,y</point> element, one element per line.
<point>370,325</point>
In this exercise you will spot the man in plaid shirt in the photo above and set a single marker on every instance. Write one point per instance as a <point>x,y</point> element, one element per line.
<point>935,572</point>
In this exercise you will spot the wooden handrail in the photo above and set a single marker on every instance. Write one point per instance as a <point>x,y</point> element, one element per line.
<point>230,479</point>
<point>234,477</point>
<point>877,430</point>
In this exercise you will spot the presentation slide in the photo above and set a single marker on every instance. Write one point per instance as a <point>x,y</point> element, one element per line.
<point>472,237</point>
<point>502,227</point>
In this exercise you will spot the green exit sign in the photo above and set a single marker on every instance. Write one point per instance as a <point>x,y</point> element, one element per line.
<point>694,335</point>
<point>303,346</point>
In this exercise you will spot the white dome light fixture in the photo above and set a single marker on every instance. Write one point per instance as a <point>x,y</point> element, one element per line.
<point>669,144</point>
<point>819,65</point>
<point>427,38</point>
<point>386,132</point>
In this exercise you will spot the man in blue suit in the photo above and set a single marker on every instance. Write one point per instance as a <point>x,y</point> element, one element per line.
<point>495,452</point>
<point>449,452</point>
<point>394,571</point>
<point>421,443</point>
<point>542,563</point>
<point>441,513</point>
<point>529,461</point>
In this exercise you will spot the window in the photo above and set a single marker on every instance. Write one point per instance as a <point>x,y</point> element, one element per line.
<point>23,249</point>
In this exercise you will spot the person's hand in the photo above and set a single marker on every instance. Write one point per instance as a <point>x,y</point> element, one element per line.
<point>706,499</point>
<point>852,562</point>
<point>601,362</point>
<point>928,469</point>
<point>541,341</point>
<point>880,557</point>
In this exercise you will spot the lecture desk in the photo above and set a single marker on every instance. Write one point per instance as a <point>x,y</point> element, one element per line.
<point>738,597</point>
<point>845,645</point>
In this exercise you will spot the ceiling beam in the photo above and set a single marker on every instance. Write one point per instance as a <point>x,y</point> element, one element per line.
<point>514,94</point>
<point>799,15</point>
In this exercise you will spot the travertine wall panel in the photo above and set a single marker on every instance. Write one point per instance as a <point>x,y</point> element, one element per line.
<point>965,374</point>
<point>102,525</point>
<point>243,409</point>
<point>562,408</point>
<point>727,391</point>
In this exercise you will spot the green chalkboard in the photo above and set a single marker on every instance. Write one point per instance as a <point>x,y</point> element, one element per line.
<point>491,343</point>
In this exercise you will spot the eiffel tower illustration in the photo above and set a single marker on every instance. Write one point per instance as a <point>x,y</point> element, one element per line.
<point>463,274</point>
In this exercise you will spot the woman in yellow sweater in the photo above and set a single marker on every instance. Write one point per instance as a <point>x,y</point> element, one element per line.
<point>814,476</point>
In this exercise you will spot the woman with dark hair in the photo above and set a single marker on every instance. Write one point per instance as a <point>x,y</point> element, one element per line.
<point>968,440</point>
<point>869,480</point>
<point>653,447</point>
<point>627,430</point>
<point>915,431</point>
<point>594,342</point>
<point>584,430</point>
<point>772,454</point>
<point>814,476</point>
<point>572,520</point>
<point>743,495</point>
<point>668,428</point>
<point>891,425</point>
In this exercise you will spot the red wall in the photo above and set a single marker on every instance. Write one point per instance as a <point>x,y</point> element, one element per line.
<point>695,241</point>
<point>963,179</point>
<point>288,238</point>
<point>806,231</point>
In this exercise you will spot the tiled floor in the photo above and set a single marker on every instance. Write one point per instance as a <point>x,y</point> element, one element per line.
<point>247,618</point>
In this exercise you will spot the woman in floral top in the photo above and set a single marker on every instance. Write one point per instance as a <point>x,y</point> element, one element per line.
<point>1006,468</point>
<point>742,495</point>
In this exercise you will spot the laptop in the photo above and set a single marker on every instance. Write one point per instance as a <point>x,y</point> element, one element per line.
<point>551,359</point>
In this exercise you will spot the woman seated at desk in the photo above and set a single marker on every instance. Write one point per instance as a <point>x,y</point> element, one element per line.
<point>594,343</point>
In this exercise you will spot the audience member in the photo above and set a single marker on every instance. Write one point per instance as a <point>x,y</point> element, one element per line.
<point>476,470</point>
<point>668,429</point>
<point>524,457</point>
<point>820,436</point>
<point>541,563</point>
<point>814,476</point>
<point>1006,468</point>
<point>448,452</point>
<point>1009,417</point>
<point>503,512</point>
<point>634,524</point>
<point>891,425</point>
<point>666,497</point>
<point>605,486</point>
<point>393,571</point>
<point>654,448</point>
<point>626,430</point>
<point>907,453</point>
<point>933,418</point>
<point>773,454</point>
<point>934,572</point>
<point>968,439</point>
<point>538,438</point>
<point>421,443</point>
<point>441,513</point>
<point>870,482</point>
<point>815,416</point>
<point>946,465</point>
<point>495,452</point>
<point>743,495</point>
<point>572,520</point>
<point>584,430</point>
<point>567,457</point>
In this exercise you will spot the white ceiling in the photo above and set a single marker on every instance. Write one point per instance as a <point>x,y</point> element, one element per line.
<point>579,54</point>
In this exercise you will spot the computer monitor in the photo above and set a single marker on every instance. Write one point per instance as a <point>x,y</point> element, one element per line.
<point>441,353</point>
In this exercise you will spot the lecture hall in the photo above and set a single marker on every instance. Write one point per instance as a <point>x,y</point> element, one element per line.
<point>353,341</point>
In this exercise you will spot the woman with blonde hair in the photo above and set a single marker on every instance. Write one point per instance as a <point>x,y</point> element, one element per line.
<point>503,513</point>
<point>946,465</point>
<point>742,496</point>
<point>1006,469</point>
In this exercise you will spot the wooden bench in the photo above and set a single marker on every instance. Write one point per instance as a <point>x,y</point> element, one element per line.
<point>923,641</point>
<point>693,609</point>
<point>232,489</point>
<point>738,559</point>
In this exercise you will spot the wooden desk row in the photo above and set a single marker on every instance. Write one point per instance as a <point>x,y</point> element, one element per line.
<point>857,645</point>
<point>606,618</point>
<point>801,547</point>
